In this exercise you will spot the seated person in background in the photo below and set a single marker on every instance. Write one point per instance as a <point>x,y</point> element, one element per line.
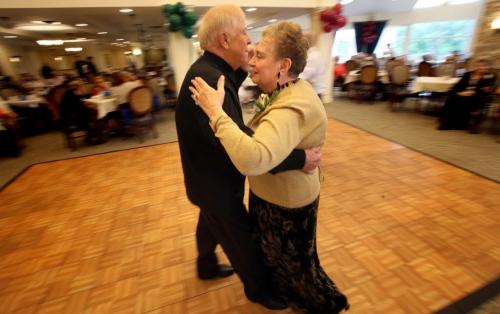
<point>10,144</point>
<point>100,85</point>
<point>468,98</point>
<point>369,60</point>
<point>339,71</point>
<point>7,82</point>
<point>455,57</point>
<point>127,82</point>
<point>74,113</point>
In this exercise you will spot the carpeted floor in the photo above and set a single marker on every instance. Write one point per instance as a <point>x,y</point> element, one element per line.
<point>478,153</point>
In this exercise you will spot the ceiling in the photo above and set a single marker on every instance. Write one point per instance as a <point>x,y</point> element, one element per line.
<point>143,23</point>
<point>368,7</point>
<point>146,24</point>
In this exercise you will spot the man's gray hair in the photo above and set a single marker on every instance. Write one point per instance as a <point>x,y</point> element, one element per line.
<point>219,18</point>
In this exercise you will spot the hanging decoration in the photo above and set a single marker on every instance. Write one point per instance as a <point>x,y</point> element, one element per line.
<point>179,19</point>
<point>368,33</point>
<point>332,18</point>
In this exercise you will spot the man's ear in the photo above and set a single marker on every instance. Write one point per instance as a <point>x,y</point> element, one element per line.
<point>222,40</point>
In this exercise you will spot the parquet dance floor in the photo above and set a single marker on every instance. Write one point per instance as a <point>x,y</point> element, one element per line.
<point>398,231</point>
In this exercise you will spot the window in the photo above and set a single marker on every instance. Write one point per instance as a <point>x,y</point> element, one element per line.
<point>439,39</point>
<point>394,35</point>
<point>344,45</point>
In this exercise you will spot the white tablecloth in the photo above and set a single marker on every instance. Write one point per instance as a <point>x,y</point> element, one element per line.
<point>103,105</point>
<point>433,84</point>
<point>353,76</point>
<point>31,101</point>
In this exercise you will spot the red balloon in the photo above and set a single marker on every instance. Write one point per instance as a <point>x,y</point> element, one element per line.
<point>328,16</point>
<point>337,9</point>
<point>341,21</point>
<point>328,27</point>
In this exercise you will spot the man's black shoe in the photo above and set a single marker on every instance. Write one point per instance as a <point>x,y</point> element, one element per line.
<point>222,272</point>
<point>271,303</point>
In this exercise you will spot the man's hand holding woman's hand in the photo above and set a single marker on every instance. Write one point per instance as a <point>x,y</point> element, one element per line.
<point>209,99</point>
<point>313,159</point>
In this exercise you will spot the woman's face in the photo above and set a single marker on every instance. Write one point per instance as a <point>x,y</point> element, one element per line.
<point>264,65</point>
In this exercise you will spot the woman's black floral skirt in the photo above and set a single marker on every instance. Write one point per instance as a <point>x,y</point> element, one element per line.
<point>287,240</point>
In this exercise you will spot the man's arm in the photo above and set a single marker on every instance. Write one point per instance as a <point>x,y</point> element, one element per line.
<point>294,161</point>
<point>306,160</point>
<point>299,159</point>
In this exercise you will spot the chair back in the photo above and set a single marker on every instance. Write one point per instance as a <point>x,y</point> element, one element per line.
<point>351,65</point>
<point>6,93</point>
<point>400,75</point>
<point>140,100</point>
<point>446,69</point>
<point>390,64</point>
<point>368,74</point>
<point>424,69</point>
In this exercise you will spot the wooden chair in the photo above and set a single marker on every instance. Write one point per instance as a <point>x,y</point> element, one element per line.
<point>400,75</point>
<point>140,100</point>
<point>390,64</point>
<point>366,87</point>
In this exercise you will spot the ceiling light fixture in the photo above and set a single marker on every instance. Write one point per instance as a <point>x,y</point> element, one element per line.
<point>126,10</point>
<point>251,10</point>
<point>272,20</point>
<point>78,40</point>
<point>119,39</point>
<point>10,36</point>
<point>137,51</point>
<point>250,27</point>
<point>43,27</point>
<point>102,33</point>
<point>195,36</point>
<point>73,49</point>
<point>495,24</point>
<point>15,59</point>
<point>81,24</point>
<point>50,42</point>
<point>58,58</point>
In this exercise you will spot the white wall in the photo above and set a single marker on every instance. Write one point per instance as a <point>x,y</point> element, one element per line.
<point>30,61</point>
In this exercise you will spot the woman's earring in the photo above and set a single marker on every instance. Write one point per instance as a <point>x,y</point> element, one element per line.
<point>278,86</point>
